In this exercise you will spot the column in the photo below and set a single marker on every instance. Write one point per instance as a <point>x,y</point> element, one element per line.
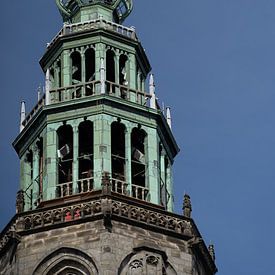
<point>35,181</point>
<point>83,71</point>
<point>75,159</point>
<point>99,53</point>
<point>102,148</point>
<point>128,156</point>
<point>67,77</point>
<point>162,178</point>
<point>51,162</point>
<point>25,180</point>
<point>152,165</point>
<point>132,76</point>
<point>117,72</point>
<point>169,176</point>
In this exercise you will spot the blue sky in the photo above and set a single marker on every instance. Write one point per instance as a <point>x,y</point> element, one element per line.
<point>214,65</point>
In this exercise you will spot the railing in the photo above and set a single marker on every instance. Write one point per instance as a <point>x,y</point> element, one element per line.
<point>140,192</point>
<point>73,91</point>
<point>64,189</point>
<point>36,108</point>
<point>91,88</point>
<point>99,23</point>
<point>85,185</point>
<point>119,186</point>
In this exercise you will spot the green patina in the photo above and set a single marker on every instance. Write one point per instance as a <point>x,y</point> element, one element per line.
<point>96,74</point>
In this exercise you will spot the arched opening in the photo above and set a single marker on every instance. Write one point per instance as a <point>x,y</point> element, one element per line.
<point>39,180</point>
<point>118,157</point>
<point>89,70</point>
<point>58,68</point>
<point>85,157</point>
<point>146,261</point>
<point>66,261</point>
<point>65,160</point>
<point>76,73</point>
<point>29,180</point>
<point>138,164</point>
<point>110,71</point>
<point>52,79</point>
<point>123,75</point>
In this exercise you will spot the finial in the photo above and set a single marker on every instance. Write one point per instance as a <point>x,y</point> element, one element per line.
<point>187,206</point>
<point>47,87</point>
<point>152,92</point>
<point>168,117</point>
<point>102,76</point>
<point>22,115</point>
<point>39,92</point>
<point>211,250</point>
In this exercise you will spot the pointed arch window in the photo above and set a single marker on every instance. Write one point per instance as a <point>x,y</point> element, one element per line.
<point>85,156</point>
<point>118,157</point>
<point>138,164</point>
<point>76,73</point>
<point>89,70</point>
<point>65,160</point>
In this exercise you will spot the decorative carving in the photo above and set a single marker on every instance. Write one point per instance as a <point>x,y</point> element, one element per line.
<point>211,250</point>
<point>187,206</point>
<point>20,202</point>
<point>106,206</point>
<point>106,184</point>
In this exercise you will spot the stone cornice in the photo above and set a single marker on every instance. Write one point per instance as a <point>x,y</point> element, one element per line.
<point>108,207</point>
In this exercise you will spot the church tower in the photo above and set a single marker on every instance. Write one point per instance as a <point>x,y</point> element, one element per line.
<point>96,156</point>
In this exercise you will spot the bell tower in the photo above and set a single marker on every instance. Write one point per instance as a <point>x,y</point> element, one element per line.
<point>96,156</point>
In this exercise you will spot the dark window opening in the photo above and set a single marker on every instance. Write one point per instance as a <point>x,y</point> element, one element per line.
<point>90,70</point>
<point>39,180</point>
<point>65,160</point>
<point>138,163</point>
<point>52,80</point>
<point>76,72</point>
<point>85,157</point>
<point>59,73</point>
<point>29,188</point>
<point>118,157</point>
<point>123,75</point>
<point>123,72</point>
<point>110,70</point>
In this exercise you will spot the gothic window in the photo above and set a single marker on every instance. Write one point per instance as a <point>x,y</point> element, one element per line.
<point>66,261</point>
<point>146,263</point>
<point>85,156</point>
<point>123,70</point>
<point>110,71</point>
<point>29,188</point>
<point>118,157</point>
<point>76,73</point>
<point>39,180</point>
<point>52,79</point>
<point>89,70</point>
<point>65,160</point>
<point>138,164</point>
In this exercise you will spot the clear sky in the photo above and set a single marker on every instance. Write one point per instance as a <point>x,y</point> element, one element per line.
<point>214,64</point>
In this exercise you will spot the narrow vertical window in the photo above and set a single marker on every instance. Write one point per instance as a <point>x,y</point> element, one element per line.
<point>86,157</point>
<point>138,164</point>
<point>118,157</point>
<point>110,71</point>
<point>76,73</point>
<point>65,160</point>
<point>89,71</point>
